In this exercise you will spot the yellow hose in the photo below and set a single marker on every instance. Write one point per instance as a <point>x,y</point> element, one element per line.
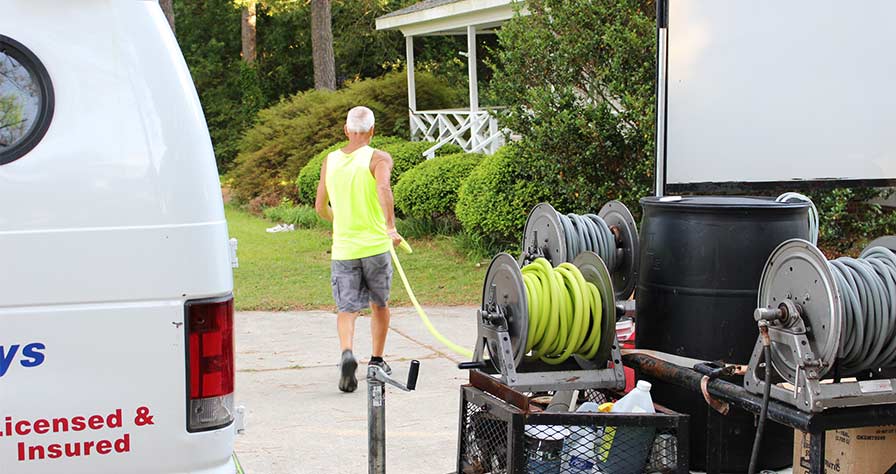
<point>456,348</point>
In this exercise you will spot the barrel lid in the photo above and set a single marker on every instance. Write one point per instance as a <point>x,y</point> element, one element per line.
<point>717,202</point>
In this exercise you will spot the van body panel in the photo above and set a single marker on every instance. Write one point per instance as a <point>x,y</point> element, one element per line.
<point>114,264</point>
<point>107,227</point>
<point>96,359</point>
<point>128,143</point>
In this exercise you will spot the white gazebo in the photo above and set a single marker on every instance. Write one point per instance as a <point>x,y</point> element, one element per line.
<point>474,129</point>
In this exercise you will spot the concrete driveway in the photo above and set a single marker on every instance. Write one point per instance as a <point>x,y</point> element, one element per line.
<point>299,422</point>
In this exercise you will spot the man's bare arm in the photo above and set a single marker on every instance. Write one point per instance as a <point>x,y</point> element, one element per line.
<point>381,167</point>
<point>322,201</point>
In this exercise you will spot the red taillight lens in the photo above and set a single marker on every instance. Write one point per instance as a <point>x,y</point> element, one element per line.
<point>209,326</point>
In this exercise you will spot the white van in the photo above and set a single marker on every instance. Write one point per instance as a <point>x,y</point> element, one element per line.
<point>116,307</point>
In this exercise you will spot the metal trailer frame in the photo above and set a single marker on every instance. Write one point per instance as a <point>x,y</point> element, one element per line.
<point>513,408</point>
<point>814,424</point>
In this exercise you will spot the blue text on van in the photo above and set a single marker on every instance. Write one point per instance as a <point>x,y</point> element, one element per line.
<point>31,355</point>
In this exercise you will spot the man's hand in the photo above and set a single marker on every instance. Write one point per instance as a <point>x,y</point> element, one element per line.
<point>393,234</point>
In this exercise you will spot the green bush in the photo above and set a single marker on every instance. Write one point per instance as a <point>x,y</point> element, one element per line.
<point>405,154</point>
<point>578,82</point>
<point>429,190</point>
<point>304,217</point>
<point>495,199</point>
<point>850,218</point>
<point>287,135</point>
<point>411,228</point>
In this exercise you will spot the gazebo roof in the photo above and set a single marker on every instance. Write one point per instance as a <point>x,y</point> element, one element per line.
<point>419,6</point>
<point>447,17</point>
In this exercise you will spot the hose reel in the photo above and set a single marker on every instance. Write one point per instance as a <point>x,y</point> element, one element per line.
<point>827,320</point>
<point>504,329</point>
<point>611,233</point>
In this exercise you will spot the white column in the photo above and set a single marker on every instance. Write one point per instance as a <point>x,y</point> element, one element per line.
<point>471,68</point>
<point>412,87</point>
<point>412,91</point>
<point>474,85</point>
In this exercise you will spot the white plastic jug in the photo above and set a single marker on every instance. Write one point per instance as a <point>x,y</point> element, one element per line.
<point>624,449</point>
<point>579,456</point>
<point>636,401</point>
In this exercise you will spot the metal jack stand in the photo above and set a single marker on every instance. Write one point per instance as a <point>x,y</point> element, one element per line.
<point>377,379</point>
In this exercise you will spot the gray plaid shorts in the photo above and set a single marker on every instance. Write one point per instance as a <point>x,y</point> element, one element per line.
<point>358,282</point>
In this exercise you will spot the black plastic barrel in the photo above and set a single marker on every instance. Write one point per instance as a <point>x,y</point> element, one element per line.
<point>701,261</point>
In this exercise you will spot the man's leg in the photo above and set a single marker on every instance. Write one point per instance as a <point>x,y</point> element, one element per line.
<point>379,328</point>
<point>345,326</point>
<point>378,278</point>
<point>347,291</point>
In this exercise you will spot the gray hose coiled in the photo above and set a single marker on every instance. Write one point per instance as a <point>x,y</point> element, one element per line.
<point>867,287</point>
<point>589,232</point>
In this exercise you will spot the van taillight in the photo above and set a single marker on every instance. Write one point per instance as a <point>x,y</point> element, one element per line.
<point>209,329</point>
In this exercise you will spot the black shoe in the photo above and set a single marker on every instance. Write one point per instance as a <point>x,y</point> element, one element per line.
<point>382,364</point>
<point>347,381</point>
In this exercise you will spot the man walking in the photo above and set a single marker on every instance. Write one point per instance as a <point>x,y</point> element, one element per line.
<point>354,193</point>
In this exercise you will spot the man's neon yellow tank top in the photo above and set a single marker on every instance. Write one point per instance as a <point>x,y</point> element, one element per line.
<point>359,226</point>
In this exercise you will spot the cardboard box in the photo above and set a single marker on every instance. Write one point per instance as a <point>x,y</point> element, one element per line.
<point>857,451</point>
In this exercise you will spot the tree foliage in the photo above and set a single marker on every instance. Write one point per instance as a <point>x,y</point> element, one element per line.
<point>288,134</point>
<point>578,78</point>
<point>429,190</point>
<point>233,92</point>
<point>18,93</point>
<point>495,199</point>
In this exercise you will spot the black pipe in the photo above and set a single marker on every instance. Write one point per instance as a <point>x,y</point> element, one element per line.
<point>734,394</point>
<point>778,412</point>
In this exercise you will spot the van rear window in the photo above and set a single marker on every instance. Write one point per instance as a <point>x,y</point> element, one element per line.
<point>26,100</point>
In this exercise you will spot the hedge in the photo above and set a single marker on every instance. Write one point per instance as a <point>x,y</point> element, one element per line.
<point>405,155</point>
<point>287,135</point>
<point>495,199</point>
<point>429,190</point>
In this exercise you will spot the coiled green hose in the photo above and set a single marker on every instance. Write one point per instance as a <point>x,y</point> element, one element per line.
<point>867,286</point>
<point>564,312</point>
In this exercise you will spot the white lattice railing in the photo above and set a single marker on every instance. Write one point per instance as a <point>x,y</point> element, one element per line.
<point>475,132</point>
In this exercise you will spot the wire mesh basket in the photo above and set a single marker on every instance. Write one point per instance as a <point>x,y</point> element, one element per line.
<point>497,437</point>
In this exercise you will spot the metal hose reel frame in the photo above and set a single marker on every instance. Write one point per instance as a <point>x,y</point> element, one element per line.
<point>544,236</point>
<point>797,271</point>
<point>800,298</point>
<point>504,312</point>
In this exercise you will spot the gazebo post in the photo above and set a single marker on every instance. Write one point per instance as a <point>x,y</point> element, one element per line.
<point>412,88</point>
<point>474,84</point>
<point>452,17</point>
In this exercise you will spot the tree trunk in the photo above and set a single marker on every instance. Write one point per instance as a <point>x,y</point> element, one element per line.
<point>168,9</point>
<point>248,33</point>
<point>322,45</point>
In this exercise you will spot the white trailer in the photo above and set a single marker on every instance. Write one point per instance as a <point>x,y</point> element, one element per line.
<point>760,93</point>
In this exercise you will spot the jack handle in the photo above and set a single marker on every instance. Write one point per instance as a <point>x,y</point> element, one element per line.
<point>375,372</point>
<point>412,374</point>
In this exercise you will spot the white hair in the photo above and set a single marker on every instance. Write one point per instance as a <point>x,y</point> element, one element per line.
<point>359,120</point>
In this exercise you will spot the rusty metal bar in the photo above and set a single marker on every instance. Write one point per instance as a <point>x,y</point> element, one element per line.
<point>488,384</point>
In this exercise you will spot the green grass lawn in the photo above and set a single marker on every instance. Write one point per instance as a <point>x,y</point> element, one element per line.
<point>291,270</point>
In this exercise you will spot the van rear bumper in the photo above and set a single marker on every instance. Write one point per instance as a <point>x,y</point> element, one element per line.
<point>231,467</point>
